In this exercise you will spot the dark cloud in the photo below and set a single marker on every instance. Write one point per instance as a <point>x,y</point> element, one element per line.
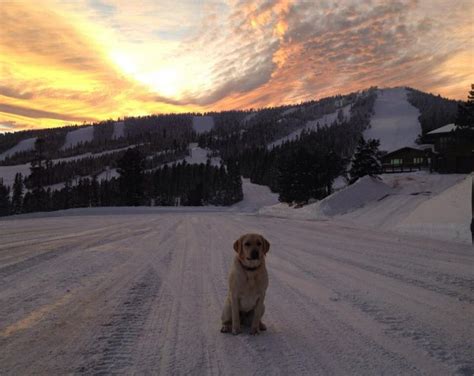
<point>38,114</point>
<point>15,93</point>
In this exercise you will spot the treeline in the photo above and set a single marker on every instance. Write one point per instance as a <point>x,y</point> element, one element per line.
<point>158,132</point>
<point>180,184</point>
<point>304,168</point>
<point>435,111</point>
<point>73,169</point>
<point>325,152</point>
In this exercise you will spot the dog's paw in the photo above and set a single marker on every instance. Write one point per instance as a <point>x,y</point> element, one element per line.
<point>225,329</point>
<point>254,331</point>
<point>262,326</point>
<point>236,331</point>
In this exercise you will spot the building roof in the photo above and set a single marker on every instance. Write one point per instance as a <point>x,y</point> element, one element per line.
<point>444,129</point>
<point>407,148</point>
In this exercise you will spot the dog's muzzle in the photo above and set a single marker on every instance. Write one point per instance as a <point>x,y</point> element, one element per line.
<point>254,255</point>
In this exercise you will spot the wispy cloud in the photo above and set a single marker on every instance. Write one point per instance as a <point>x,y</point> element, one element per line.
<point>74,61</point>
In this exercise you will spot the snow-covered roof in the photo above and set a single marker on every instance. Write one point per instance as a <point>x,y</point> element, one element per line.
<point>444,129</point>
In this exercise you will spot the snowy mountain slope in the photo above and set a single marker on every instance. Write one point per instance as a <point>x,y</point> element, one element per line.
<point>203,124</point>
<point>76,136</point>
<point>395,121</point>
<point>312,125</point>
<point>7,173</point>
<point>255,196</point>
<point>143,293</point>
<point>198,155</point>
<point>24,145</point>
<point>119,129</point>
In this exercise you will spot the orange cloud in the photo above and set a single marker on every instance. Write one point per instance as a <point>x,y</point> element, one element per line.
<point>63,62</point>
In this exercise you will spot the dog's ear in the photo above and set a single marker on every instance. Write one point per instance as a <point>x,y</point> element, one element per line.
<point>266,244</point>
<point>238,245</point>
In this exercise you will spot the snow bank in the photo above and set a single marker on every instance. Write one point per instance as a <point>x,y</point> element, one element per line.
<point>255,196</point>
<point>23,145</point>
<point>446,216</point>
<point>395,121</point>
<point>203,124</point>
<point>84,134</point>
<point>312,126</point>
<point>432,205</point>
<point>353,197</point>
<point>363,191</point>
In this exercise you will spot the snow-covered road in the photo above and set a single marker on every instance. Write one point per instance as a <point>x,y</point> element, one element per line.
<point>142,294</point>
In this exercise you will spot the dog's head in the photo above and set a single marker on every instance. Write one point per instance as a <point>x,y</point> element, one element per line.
<point>251,249</point>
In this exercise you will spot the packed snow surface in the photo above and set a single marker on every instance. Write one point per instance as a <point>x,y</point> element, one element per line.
<point>24,145</point>
<point>395,121</point>
<point>142,293</point>
<point>203,124</point>
<point>312,125</point>
<point>84,134</point>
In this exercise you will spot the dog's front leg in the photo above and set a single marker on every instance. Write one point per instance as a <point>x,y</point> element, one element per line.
<point>257,316</point>
<point>235,315</point>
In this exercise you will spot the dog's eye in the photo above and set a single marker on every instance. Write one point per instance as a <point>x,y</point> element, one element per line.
<point>259,244</point>
<point>247,244</point>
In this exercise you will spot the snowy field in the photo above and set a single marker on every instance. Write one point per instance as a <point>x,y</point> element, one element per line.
<point>142,293</point>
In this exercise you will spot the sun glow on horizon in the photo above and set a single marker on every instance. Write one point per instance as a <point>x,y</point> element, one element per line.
<point>69,62</point>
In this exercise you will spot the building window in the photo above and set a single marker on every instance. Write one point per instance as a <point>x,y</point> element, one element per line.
<point>396,162</point>
<point>417,161</point>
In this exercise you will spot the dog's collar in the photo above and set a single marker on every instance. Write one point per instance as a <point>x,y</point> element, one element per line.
<point>248,268</point>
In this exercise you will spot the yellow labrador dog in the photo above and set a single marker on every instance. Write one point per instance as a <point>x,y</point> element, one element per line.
<point>248,282</point>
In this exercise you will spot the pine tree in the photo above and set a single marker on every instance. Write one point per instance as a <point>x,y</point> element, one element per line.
<point>465,116</point>
<point>234,183</point>
<point>302,176</point>
<point>17,199</point>
<point>366,160</point>
<point>4,199</point>
<point>95,196</point>
<point>130,168</point>
<point>38,175</point>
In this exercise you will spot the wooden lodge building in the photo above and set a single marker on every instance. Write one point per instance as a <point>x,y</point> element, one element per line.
<point>407,159</point>
<point>446,150</point>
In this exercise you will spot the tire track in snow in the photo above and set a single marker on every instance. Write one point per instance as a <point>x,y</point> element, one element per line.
<point>64,249</point>
<point>113,352</point>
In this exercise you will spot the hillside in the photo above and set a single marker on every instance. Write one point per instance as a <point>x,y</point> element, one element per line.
<point>257,140</point>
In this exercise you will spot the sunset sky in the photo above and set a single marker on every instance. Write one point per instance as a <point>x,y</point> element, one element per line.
<point>65,62</point>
